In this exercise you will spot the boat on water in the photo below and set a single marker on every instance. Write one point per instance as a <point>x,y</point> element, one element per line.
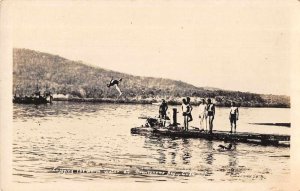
<point>33,100</point>
<point>154,127</point>
<point>36,98</point>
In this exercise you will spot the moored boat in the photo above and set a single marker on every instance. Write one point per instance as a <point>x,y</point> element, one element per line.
<point>36,98</point>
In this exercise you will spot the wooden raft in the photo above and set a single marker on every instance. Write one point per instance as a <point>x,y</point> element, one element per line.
<point>246,137</point>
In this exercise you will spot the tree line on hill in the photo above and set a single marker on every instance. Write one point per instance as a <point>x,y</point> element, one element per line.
<point>81,81</point>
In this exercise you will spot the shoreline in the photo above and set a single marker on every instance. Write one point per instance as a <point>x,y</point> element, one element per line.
<point>152,102</point>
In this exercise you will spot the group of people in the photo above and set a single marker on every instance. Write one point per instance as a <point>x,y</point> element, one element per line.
<point>206,110</point>
<point>206,113</point>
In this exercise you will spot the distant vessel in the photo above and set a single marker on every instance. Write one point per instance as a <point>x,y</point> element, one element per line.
<point>36,98</point>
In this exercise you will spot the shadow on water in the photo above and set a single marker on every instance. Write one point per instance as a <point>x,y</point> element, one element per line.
<point>209,158</point>
<point>169,147</point>
<point>186,157</point>
<point>232,162</point>
<point>180,151</point>
<point>162,146</point>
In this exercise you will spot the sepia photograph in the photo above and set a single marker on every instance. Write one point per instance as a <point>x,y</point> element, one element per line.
<point>138,94</point>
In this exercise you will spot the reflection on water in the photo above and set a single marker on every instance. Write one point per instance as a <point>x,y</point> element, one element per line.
<point>186,151</point>
<point>92,142</point>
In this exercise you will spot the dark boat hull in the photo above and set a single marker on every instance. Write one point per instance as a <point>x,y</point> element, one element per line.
<point>32,100</point>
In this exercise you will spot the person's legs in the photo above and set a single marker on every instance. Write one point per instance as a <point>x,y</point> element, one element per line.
<point>160,117</point>
<point>210,121</point>
<point>190,117</point>
<point>201,122</point>
<point>117,87</point>
<point>234,123</point>
<point>209,124</point>
<point>230,120</point>
<point>164,119</point>
<point>206,123</point>
<point>184,121</point>
<point>187,123</point>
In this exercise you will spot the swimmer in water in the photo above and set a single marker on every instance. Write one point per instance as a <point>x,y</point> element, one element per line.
<point>229,147</point>
<point>116,84</point>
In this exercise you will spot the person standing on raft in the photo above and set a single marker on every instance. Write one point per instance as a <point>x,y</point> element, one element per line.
<point>185,110</point>
<point>203,114</point>
<point>163,111</point>
<point>233,116</point>
<point>210,114</point>
<point>116,84</point>
<point>190,108</point>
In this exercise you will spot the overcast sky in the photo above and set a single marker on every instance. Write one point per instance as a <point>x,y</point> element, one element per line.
<point>234,45</point>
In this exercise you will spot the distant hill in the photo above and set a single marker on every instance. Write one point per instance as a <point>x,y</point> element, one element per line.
<point>64,76</point>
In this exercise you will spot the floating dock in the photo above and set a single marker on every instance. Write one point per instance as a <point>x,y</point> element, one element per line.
<point>245,137</point>
<point>153,127</point>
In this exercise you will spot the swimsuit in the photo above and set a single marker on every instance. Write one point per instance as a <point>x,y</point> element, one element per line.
<point>233,112</point>
<point>233,118</point>
<point>163,109</point>
<point>184,109</point>
<point>113,82</point>
<point>209,110</point>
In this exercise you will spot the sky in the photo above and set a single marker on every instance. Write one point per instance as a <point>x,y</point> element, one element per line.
<point>232,45</point>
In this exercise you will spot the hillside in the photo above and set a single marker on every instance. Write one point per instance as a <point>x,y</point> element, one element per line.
<point>83,81</point>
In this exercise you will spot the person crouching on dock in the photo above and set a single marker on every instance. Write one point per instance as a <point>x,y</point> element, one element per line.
<point>185,110</point>
<point>203,114</point>
<point>210,114</point>
<point>233,116</point>
<point>163,112</point>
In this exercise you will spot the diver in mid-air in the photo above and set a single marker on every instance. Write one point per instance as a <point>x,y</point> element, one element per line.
<point>116,84</point>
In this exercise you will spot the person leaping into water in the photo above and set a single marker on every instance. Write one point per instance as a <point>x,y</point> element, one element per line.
<point>116,84</point>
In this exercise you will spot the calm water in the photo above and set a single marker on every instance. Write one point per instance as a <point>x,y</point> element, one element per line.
<point>92,142</point>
